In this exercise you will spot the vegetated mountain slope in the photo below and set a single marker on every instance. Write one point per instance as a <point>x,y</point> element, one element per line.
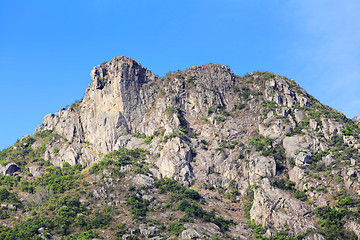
<point>200,153</point>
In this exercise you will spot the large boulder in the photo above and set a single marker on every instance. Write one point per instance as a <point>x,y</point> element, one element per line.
<point>190,234</point>
<point>175,160</point>
<point>143,180</point>
<point>36,171</point>
<point>261,167</point>
<point>295,144</point>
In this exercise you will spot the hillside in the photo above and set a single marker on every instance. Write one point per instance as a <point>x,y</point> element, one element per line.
<point>197,154</point>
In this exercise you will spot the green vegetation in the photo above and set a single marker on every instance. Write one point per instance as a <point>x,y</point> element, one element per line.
<point>138,207</point>
<point>56,178</point>
<point>220,119</point>
<point>318,110</point>
<point>9,197</point>
<point>232,194</point>
<point>289,186</point>
<point>269,105</point>
<point>170,110</point>
<point>192,210</point>
<point>248,200</point>
<point>76,105</point>
<point>119,158</point>
<point>332,223</point>
<point>87,235</point>
<point>22,153</point>
<point>211,110</point>
<point>65,215</point>
<point>175,228</point>
<point>56,151</point>
<point>191,80</point>
<point>122,229</point>
<point>302,125</point>
<point>245,92</point>
<point>240,106</point>
<point>315,159</point>
<point>341,149</point>
<point>140,135</point>
<point>219,109</point>
<point>180,134</point>
<point>265,146</point>
<point>267,75</point>
<point>59,213</point>
<point>258,230</point>
<point>141,170</point>
<point>149,139</point>
<point>204,144</point>
<point>102,81</point>
<point>183,132</point>
<point>345,200</point>
<point>172,186</point>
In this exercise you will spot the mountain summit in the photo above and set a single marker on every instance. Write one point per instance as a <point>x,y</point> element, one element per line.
<point>197,154</point>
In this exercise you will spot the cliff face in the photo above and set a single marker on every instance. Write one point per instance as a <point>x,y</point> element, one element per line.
<point>206,126</point>
<point>124,99</point>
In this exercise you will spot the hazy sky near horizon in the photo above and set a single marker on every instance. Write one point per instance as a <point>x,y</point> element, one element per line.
<point>47,48</point>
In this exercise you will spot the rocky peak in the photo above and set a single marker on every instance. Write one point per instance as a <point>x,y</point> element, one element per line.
<point>120,93</point>
<point>122,70</point>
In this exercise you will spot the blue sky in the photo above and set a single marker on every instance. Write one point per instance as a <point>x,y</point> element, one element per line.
<point>47,48</point>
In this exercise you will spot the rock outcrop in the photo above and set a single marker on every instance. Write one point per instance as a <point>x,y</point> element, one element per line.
<point>9,169</point>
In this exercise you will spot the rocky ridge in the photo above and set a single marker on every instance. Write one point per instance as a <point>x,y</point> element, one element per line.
<point>257,138</point>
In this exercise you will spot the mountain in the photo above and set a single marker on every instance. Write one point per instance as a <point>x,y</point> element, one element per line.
<point>197,154</point>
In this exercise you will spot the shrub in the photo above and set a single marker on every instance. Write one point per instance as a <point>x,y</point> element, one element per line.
<point>122,229</point>
<point>332,223</point>
<point>258,230</point>
<point>289,186</point>
<point>140,135</point>
<point>240,106</point>
<point>301,195</point>
<point>220,119</point>
<point>170,185</point>
<point>56,151</point>
<point>101,220</point>
<point>232,195</point>
<point>141,170</point>
<point>247,200</point>
<point>138,206</point>
<point>170,110</point>
<point>190,209</point>
<point>87,235</point>
<point>123,157</point>
<point>246,92</point>
<point>211,110</point>
<point>191,193</point>
<point>175,228</point>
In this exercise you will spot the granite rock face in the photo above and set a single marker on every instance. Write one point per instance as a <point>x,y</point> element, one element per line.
<point>197,125</point>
